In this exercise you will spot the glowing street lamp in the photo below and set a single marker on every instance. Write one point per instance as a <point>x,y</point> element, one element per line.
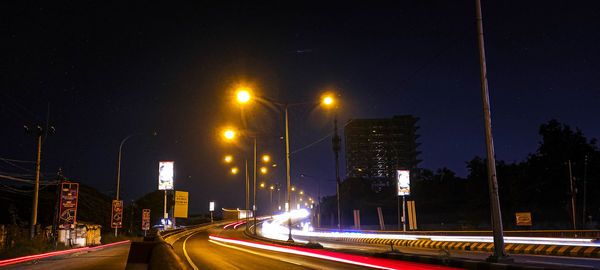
<point>228,159</point>
<point>263,170</point>
<point>266,158</point>
<point>328,100</point>
<point>262,185</point>
<point>229,134</point>
<point>243,96</point>
<point>234,170</point>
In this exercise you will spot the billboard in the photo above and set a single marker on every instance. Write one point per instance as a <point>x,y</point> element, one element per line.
<point>68,205</point>
<point>211,206</point>
<point>181,204</point>
<point>117,214</point>
<point>165,175</point>
<point>403,177</point>
<point>145,219</point>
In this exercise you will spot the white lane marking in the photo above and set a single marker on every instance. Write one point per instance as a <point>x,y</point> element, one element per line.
<point>187,257</point>
<point>253,252</point>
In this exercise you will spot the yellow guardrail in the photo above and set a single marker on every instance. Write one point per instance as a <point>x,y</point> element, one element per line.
<point>553,250</point>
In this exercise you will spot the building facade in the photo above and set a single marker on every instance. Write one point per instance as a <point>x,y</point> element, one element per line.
<point>376,148</point>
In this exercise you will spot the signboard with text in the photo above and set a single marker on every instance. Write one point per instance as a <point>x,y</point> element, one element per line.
<point>68,205</point>
<point>523,219</point>
<point>165,175</point>
<point>117,214</point>
<point>403,177</point>
<point>211,206</point>
<point>145,219</point>
<point>181,204</point>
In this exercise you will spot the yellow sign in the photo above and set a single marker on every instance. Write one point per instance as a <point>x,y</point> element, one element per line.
<point>523,219</point>
<point>181,204</point>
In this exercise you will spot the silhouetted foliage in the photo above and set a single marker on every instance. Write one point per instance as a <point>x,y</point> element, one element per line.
<point>539,184</point>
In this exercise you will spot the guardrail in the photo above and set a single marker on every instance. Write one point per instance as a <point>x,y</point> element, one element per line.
<point>533,249</point>
<point>531,233</point>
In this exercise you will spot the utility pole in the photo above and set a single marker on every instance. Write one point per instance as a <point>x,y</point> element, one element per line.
<point>336,150</point>
<point>254,192</point>
<point>585,162</point>
<point>59,181</point>
<point>572,196</point>
<point>37,132</point>
<point>499,255</point>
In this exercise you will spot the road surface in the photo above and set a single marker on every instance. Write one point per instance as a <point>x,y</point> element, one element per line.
<point>203,253</point>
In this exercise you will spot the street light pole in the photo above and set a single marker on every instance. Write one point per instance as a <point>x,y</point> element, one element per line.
<point>336,149</point>
<point>498,234</point>
<point>247,192</point>
<point>254,193</point>
<point>119,169</point>
<point>287,176</point>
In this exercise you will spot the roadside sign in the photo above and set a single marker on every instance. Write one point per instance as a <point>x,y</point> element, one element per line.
<point>145,219</point>
<point>403,182</point>
<point>68,205</point>
<point>181,204</point>
<point>117,214</point>
<point>523,219</point>
<point>165,175</point>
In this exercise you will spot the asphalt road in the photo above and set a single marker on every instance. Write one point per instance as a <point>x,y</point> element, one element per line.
<point>203,253</point>
<point>113,257</point>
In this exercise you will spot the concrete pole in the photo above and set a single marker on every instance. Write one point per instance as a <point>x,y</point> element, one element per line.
<point>287,171</point>
<point>37,185</point>
<point>572,196</point>
<point>498,234</point>
<point>254,192</point>
<point>336,149</point>
<point>165,216</point>
<point>404,213</point>
<point>585,163</point>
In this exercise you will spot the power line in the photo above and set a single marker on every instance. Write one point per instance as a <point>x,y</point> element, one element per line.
<point>16,160</point>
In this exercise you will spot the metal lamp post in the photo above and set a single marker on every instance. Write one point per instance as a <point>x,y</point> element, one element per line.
<point>119,165</point>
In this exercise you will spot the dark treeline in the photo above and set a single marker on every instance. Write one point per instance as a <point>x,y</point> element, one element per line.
<point>539,184</point>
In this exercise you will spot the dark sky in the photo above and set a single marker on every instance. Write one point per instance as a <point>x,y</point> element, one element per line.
<point>100,72</point>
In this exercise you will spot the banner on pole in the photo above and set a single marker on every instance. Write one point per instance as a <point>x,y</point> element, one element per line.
<point>403,177</point>
<point>145,219</point>
<point>165,175</point>
<point>117,214</point>
<point>68,205</point>
<point>181,204</point>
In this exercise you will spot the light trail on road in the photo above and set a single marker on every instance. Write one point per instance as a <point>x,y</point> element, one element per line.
<point>276,229</point>
<point>364,261</point>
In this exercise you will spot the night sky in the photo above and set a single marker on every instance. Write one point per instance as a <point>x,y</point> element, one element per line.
<point>100,72</point>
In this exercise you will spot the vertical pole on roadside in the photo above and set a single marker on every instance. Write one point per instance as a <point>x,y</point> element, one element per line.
<point>498,234</point>
<point>572,196</point>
